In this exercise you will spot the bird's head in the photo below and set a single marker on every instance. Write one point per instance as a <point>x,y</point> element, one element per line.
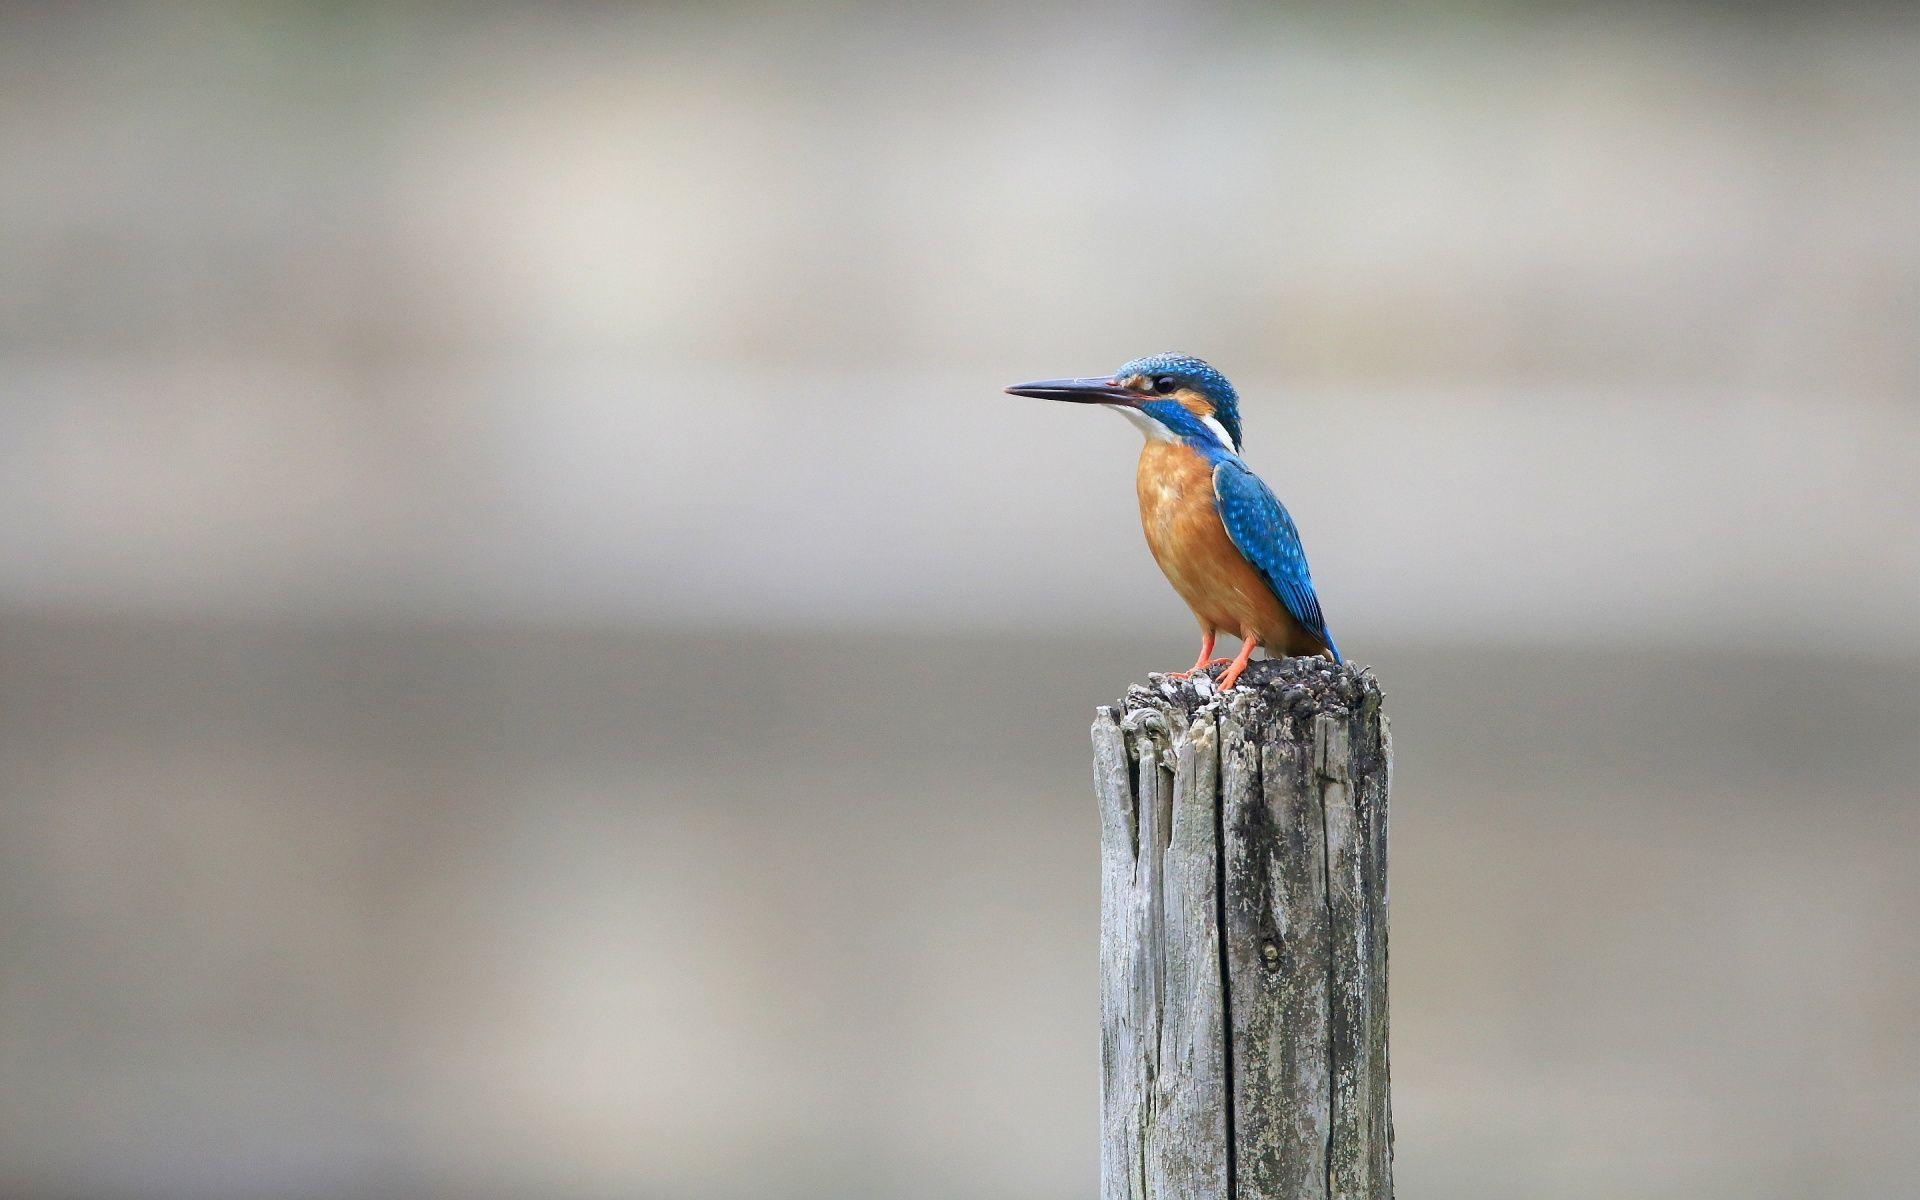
<point>1173,396</point>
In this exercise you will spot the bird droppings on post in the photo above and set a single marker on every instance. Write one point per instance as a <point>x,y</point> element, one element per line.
<point>1243,936</point>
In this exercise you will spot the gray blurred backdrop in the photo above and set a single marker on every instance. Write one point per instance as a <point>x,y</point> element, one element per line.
<point>535,660</point>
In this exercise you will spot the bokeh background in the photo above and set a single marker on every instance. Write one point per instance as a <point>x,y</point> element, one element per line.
<point>536,661</point>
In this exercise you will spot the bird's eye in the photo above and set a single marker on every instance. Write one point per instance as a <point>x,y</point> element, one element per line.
<point>1164,384</point>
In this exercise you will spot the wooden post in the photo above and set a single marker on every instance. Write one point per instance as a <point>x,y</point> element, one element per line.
<point>1243,942</point>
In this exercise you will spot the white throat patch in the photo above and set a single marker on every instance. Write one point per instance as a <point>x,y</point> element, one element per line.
<point>1155,431</point>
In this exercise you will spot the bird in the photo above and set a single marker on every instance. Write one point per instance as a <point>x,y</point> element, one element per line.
<point>1220,535</point>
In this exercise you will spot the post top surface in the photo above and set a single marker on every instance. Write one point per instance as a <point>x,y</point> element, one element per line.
<point>1298,687</point>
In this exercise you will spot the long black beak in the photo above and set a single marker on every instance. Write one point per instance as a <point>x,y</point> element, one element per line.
<point>1076,391</point>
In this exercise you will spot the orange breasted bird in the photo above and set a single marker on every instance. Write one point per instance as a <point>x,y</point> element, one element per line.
<point>1219,534</point>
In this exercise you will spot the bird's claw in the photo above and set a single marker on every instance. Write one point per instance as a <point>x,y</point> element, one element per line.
<point>1196,668</point>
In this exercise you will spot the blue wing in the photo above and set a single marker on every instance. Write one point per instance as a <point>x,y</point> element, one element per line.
<point>1260,527</point>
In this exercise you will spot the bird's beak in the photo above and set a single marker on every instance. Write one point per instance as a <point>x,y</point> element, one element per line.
<point>1077,391</point>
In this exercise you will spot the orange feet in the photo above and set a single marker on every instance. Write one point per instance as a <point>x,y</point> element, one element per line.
<point>1201,663</point>
<point>1239,664</point>
<point>1196,668</point>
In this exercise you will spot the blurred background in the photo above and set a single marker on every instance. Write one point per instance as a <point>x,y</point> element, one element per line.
<point>535,659</point>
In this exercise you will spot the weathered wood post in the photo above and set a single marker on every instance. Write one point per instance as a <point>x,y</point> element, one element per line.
<point>1243,944</point>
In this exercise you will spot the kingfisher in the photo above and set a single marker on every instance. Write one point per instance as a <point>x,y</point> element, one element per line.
<point>1221,537</point>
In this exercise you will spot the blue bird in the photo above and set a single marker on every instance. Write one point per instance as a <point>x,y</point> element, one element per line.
<point>1221,537</point>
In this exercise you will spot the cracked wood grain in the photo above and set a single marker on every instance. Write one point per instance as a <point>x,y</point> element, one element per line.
<point>1243,938</point>
<point>1163,1082</point>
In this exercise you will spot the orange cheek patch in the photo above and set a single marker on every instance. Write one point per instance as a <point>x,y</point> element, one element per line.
<point>1194,402</point>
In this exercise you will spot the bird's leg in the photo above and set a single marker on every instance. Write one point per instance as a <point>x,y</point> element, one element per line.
<point>1239,664</point>
<point>1205,660</point>
<point>1206,651</point>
